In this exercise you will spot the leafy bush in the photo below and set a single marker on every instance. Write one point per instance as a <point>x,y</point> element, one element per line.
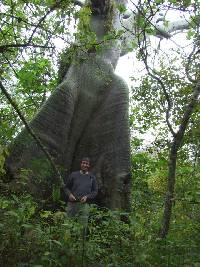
<point>33,237</point>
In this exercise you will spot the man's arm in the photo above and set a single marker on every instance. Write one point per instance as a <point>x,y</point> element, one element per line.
<point>94,189</point>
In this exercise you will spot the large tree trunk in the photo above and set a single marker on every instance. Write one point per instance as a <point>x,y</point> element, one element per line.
<point>87,115</point>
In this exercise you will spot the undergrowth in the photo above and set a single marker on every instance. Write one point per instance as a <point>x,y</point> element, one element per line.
<point>41,238</point>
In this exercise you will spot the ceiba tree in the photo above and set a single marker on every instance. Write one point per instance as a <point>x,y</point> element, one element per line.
<point>86,115</point>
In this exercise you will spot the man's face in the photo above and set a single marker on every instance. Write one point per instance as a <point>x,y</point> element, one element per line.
<point>85,165</point>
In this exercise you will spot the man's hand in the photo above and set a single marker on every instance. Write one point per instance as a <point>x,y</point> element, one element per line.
<point>84,199</point>
<point>72,197</point>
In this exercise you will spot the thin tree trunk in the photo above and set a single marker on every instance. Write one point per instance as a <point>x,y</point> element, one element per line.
<point>170,189</point>
<point>176,144</point>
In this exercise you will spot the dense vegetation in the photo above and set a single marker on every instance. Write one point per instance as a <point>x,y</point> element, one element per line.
<point>32,234</point>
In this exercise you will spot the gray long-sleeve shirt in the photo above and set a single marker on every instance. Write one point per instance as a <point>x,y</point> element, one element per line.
<point>82,184</point>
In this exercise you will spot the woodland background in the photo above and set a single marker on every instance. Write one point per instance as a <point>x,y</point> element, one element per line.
<point>34,236</point>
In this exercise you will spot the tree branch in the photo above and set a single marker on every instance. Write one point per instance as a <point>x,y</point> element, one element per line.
<point>4,48</point>
<point>7,47</point>
<point>161,31</point>
<point>165,30</point>
<point>79,2</point>
<point>188,111</point>
<point>155,76</point>
<point>44,17</point>
<point>190,58</point>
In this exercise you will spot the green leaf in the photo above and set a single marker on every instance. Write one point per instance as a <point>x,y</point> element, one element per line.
<point>56,193</point>
<point>121,8</point>
<point>56,242</point>
<point>190,34</point>
<point>28,226</point>
<point>45,214</point>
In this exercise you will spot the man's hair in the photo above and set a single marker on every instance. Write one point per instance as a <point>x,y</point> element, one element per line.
<point>85,159</point>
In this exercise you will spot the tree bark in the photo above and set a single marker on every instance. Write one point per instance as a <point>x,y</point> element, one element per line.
<point>87,115</point>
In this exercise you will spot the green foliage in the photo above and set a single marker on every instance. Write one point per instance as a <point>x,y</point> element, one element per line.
<point>85,35</point>
<point>180,248</point>
<point>56,193</point>
<point>35,74</point>
<point>28,34</point>
<point>2,160</point>
<point>65,60</point>
<point>42,167</point>
<point>35,237</point>
<point>121,8</point>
